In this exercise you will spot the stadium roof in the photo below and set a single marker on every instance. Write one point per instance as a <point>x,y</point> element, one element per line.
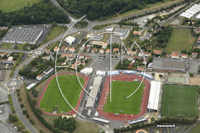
<point>191,11</point>
<point>94,92</point>
<point>114,72</point>
<point>169,64</point>
<point>154,95</point>
<point>87,70</point>
<point>30,86</point>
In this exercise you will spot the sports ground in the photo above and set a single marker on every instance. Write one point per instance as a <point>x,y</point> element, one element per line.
<point>121,104</point>
<point>180,100</point>
<point>176,79</point>
<point>71,89</point>
<point>128,108</point>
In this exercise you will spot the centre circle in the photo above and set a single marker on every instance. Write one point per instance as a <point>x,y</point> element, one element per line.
<point>180,100</point>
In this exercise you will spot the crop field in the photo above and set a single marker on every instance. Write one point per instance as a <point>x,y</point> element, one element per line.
<point>71,90</point>
<point>180,100</point>
<point>181,39</point>
<point>120,104</point>
<point>13,5</point>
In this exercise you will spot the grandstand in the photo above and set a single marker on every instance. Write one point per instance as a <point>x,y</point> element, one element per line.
<point>114,72</point>
<point>93,92</point>
<point>154,95</point>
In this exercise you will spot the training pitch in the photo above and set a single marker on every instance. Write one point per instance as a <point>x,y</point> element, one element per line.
<point>70,88</point>
<point>122,105</point>
<point>180,100</point>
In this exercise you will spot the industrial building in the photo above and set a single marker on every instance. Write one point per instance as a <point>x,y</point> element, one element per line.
<point>168,64</point>
<point>70,40</point>
<point>191,11</point>
<point>46,72</point>
<point>87,71</point>
<point>22,35</point>
<point>94,91</point>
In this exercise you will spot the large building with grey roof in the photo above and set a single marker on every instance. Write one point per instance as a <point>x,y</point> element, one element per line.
<point>168,64</point>
<point>22,35</point>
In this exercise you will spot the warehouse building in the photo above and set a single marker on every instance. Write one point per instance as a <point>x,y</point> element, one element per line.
<point>191,11</point>
<point>22,35</point>
<point>70,40</point>
<point>168,64</point>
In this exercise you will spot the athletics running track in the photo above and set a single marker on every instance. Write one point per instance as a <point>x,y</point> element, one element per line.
<point>79,101</point>
<point>123,117</point>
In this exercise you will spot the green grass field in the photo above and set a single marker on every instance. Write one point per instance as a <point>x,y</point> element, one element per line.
<point>180,101</point>
<point>181,39</point>
<point>121,104</point>
<point>13,5</point>
<point>54,33</point>
<point>6,45</point>
<point>70,88</point>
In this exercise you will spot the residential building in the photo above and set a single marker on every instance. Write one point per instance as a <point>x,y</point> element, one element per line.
<point>104,45</point>
<point>71,50</point>
<point>101,51</point>
<point>94,50</point>
<point>87,57</point>
<point>157,52</point>
<point>115,50</point>
<point>184,56</point>
<point>56,49</point>
<point>194,55</point>
<point>87,49</point>
<point>175,55</point>
<point>137,33</point>
<point>107,51</point>
<point>146,54</point>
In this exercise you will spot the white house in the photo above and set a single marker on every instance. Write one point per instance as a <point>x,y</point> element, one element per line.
<point>70,40</point>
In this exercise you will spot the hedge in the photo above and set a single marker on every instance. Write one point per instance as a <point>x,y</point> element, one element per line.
<point>16,63</point>
<point>22,125</point>
<point>11,103</point>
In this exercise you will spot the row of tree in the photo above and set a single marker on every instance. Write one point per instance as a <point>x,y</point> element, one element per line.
<point>95,9</point>
<point>40,13</point>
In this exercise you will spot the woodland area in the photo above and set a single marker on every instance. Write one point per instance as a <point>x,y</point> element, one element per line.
<point>95,9</point>
<point>41,13</point>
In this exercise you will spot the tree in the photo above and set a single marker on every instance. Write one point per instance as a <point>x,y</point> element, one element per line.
<point>53,24</point>
<point>160,75</point>
<point>24,111</point>
<point>152,119</point>
<point>191,74</point>
<point>22,105</point>
<point>15,46</point>
<point>27,115</point>
<point>153,74</point>
<point>19,98</point>
<point>169,72</point>
<point>12,118</point>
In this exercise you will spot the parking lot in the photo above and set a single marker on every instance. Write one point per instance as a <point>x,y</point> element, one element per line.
<point>3,94</point>
<point>4,128</point>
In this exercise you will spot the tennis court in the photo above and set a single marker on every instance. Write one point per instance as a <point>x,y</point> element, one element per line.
<point>176,79</point>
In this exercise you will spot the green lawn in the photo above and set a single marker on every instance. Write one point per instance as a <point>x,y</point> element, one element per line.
<point>70,88</point>
<point>181,39</point>
<point>54,33</point>
<point>6,45</point>
<point>121,104</point>
<point>180,101</point>
<point>13,5</point>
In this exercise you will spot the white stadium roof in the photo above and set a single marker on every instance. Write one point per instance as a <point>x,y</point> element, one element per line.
<point>94,92</point>
<point>70,39</point>
<point>100,72</point>
<point>198,16</point>
<point>154,95</point>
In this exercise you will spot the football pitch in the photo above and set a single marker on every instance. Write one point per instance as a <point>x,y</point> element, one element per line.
<point>122,105</point>
<point>70,88</point>
<point>180,100</point>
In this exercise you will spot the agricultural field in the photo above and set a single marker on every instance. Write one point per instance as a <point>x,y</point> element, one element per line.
<point>180,100</point>
<point>70,88</point>
<point>121,104</point>
<point>13,5</point>
<point>181,39</point>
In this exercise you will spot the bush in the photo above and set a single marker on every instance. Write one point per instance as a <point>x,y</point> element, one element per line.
<point>24,111</point>
<point>12,118</point>
<point>27,115</point>
<point>191,74</point>
<point>18,94</point>
<point>19,98</point>
<point>31,121</point>
<point>22,105</point>
<point>34,102</point>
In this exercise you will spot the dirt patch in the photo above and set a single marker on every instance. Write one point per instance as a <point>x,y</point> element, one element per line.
<point>195,80</point>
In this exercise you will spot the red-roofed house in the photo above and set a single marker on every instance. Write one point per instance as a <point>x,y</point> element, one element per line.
<point>107,51</point>
<point>71,50</point>
<point>115,50</point>
<point>184,56</point>
<point>94,50</point>
<point>87,57</point>
<point>101,51</point>
<point>175,55</point>
<point>146,54</point>
<point>157,52</point>
<point>56,49</point>
<point>194,55</point>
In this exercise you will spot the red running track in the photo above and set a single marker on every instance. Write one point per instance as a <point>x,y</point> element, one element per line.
<point>123,117</point>
<point>79,101</point>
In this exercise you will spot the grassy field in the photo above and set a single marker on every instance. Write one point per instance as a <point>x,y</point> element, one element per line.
<point>181,39</point>
<point>13,5</point>
<point>121,104</point>
<point>70,88</point>
<point>180,101</point>
<point>6,45</point>
<point>54,33</point>
<point>105,37</point>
